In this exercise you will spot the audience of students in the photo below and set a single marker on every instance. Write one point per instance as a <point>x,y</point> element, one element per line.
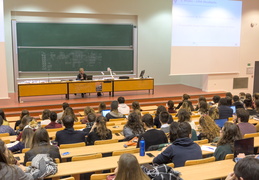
<point>157,122</point>
<point>41,145</point>
<point>99,131</point>
<point>2,114</point>
<point>9,171</point>
<point>181,150</point>
<point>151,136</point>
<point>243,124</point>
<point>87,111</point>
<point>23,113</point>
<point>53,124</point>
<point>64,106</point>
<point>90,123</point>
<point>133,127</point>
<point>114,114</point>
<point>171,108</point>
<point>209,129</point>
<point>5,128</point>
<point>45,117</point>
<point>69,135</point>
<point>123,108</point>
<point>26,141</point>
<point>224,110</point>
<point>229,133</point>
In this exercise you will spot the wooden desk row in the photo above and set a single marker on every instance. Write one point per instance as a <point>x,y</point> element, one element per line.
<point>87,86</point>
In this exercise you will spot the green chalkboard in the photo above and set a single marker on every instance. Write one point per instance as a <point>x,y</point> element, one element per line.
<point>59,34</point>
<point>67,47</point>
<point>42,59</point>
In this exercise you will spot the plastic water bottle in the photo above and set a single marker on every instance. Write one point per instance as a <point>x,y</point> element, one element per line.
<point>142,147</point>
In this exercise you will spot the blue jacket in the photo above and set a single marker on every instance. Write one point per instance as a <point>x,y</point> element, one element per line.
<point>181,150</point>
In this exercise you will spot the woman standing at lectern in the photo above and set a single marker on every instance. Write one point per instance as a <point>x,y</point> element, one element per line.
<point>81,76</point>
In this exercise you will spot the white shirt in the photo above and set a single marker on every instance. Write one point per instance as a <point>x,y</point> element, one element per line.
<point>124,109</point>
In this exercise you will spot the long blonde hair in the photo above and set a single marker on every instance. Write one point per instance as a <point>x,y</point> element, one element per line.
<point>101,128</point>
<point>69,112</point>
<point>128,168</point>
<point>209,128</point>
<point>27,136</point>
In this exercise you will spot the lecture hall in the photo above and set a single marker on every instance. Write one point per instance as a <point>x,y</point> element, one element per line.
<point>96,90</point>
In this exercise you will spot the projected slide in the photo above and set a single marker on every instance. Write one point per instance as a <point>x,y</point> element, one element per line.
<point>206,23</point>
<point>1,21</point>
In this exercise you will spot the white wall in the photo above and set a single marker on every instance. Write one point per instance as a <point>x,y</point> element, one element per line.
<point>153,20</point>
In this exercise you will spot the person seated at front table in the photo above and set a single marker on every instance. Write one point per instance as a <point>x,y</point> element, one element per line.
<point>151,136</point>
<point>229,133</point>
<point>182,149</point>
<point>53,124</point>
<point>99,131</point>
<point>81,76</point>
<point>123,108</point>
<point>69,135</point>
<point>243,124</point>
<point>114,114</point>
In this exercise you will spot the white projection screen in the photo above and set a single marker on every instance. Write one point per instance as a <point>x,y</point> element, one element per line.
<point>205,36</point>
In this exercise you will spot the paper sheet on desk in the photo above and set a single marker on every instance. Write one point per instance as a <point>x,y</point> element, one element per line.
<point>208,148</point>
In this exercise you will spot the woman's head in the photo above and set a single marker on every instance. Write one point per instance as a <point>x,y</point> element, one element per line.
<point>135,105</point>
<point>69,112</point>
<point>40,136</point>
<point>128,168</point>
<point>203,107</point>
<point>24,113</point>
<point>2,114</point>
<point>214,113</point>
<point>229,133</point>
<point>88,110</point>
<point>114,105</point>
<point>45,114</point>
<point>27,136</point>
<point>25,121</point>
<point>186,97</point>
<point>148,121</point>
<point>3,153</point>
<point>102,106</point>
<point>186,106</point>
<point>202,98</point>
<point>183,115</point>
<point>160,109</point>
<point>101,128</point>
<point>170,104</point>
<point>209,127</point>
<point>134,123</point>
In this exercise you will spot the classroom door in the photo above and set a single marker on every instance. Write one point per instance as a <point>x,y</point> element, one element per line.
<point>256,77</point>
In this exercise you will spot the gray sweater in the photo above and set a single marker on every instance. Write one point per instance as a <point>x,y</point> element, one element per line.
<point>11,172</point>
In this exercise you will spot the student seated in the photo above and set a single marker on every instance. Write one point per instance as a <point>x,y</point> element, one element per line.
<point>5,128</point>
<point>9,171</point>
<point>133,127</point>
<point>5,122</point>
<point>41,145</point>
<point>23,113</point>
<point>123,108</point>
<point>186,98</point>
<point>229,133</point>
<point>99,131</point>
<point>160,109</point>
<point>114,114</point>
<point>164,118</point>
<point>64,106</point>
<point>87,110</point>
<point>209,129</point>
<point>224,110</point>
<point>128,168</point>
<point>248,105</point>
<point>245,169</point>
<point>237,103</point>
<point>69,135</point>
<point>91,120</point>
<point>171,108</point>
<point>45,117</point>
<point>182,149</point>
<point>151,136</point>
<point>243,124</point>
<point>53,119</point>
